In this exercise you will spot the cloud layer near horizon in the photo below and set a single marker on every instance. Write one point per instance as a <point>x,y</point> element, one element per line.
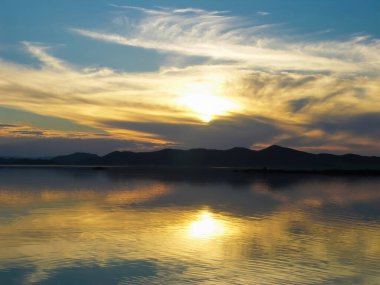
<point>312,95</point>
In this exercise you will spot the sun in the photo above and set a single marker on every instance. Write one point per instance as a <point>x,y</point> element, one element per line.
<point>205,105</point>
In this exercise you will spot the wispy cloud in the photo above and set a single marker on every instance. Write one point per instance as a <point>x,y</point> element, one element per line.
<point>22,130</point>
<point>40,52</point>
<point>219,36</point>
<point>262,13</point>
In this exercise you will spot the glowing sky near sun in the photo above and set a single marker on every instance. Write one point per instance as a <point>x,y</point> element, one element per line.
<point>216,74</point>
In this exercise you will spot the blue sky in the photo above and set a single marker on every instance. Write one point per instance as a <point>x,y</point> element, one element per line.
<point>136,74</point>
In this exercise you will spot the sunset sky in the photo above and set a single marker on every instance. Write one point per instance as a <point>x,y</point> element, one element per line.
<point>103,75</point>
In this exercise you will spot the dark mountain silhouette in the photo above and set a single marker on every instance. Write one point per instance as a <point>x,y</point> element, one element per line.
<point>273,157</point>
<point>78,158</point>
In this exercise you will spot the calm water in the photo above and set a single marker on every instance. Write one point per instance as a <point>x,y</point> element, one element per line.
<point>81,226</point>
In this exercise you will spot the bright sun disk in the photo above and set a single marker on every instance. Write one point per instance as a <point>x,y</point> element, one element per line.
<point>207,106</point>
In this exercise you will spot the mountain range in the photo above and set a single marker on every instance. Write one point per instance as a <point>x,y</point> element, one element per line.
<point>273,157</point>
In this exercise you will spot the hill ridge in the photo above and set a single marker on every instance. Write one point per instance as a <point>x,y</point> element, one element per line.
<point>272,157</point>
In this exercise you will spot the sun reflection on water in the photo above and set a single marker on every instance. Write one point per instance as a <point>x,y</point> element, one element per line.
<point>206,226</point>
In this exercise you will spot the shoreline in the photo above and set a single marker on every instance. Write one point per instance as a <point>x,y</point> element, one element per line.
<point>237,170</point>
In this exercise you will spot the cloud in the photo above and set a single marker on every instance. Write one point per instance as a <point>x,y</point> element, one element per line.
<point>39,52</point>
<point>262,13</point>
<point>6,126</point>
<point>299,104</point>
<point>300,99</point>
<point>9,115</point>
<point>28,133</point>
<point>219,36</point>
<point>338,133</point>
<point>217,134</point>
<point>361,125</point>
<point>35,145</point>
<point>339,143</point>
<point>22,130</point>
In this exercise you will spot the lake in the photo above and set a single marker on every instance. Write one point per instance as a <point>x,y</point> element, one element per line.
<point>208,226</point>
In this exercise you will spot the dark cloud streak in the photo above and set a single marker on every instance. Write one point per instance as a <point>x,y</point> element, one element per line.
<point>42,146</point>
<point>227,133</point>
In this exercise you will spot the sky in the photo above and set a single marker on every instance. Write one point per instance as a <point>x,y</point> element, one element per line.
<point>98,76</point>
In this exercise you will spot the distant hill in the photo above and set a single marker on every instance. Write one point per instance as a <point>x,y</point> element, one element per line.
<point>78,158</point>
<point>273,157</point>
